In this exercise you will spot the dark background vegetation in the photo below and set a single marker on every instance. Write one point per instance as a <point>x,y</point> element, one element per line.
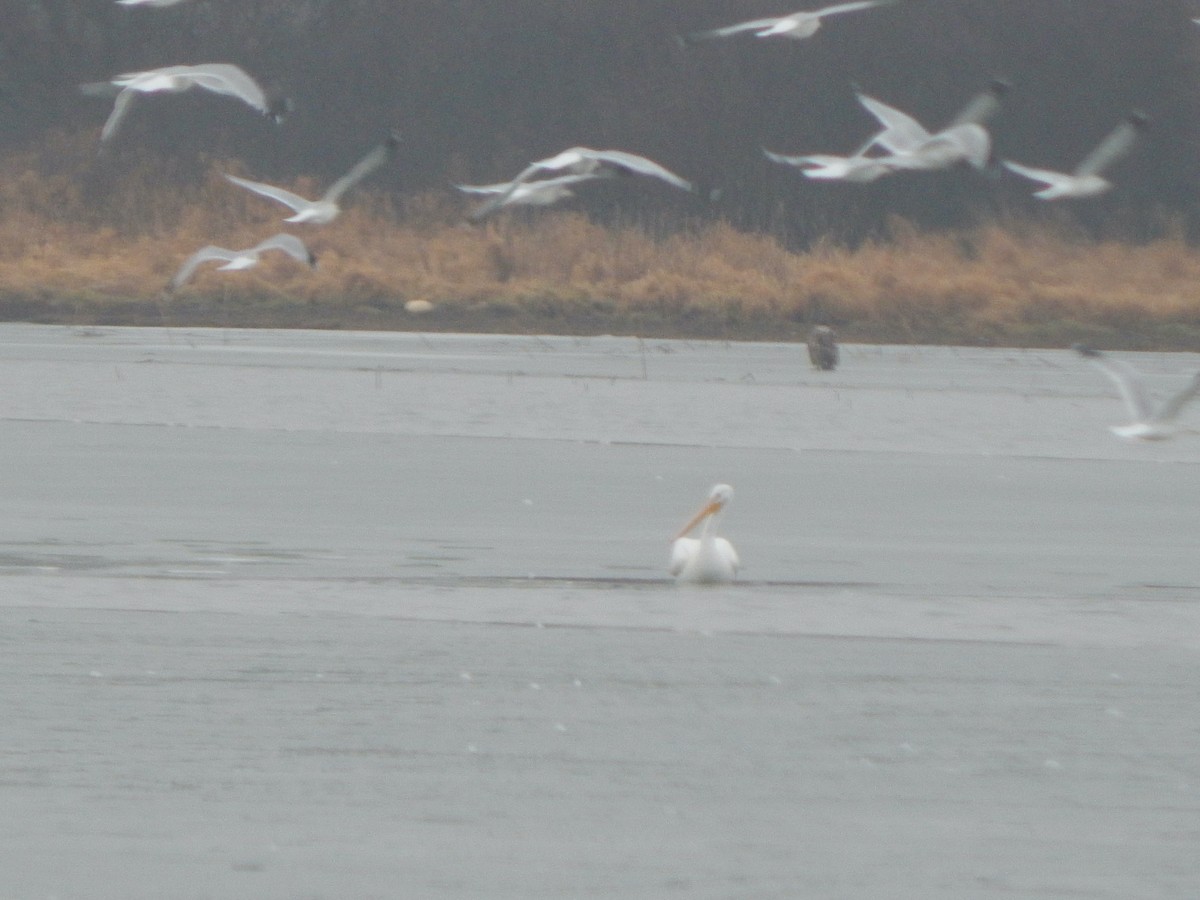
<point>480,87</point>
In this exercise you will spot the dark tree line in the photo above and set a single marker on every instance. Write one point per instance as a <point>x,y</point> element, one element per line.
<point>480,87</point>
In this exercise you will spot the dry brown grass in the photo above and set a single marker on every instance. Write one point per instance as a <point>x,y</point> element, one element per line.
<point>97,240</point>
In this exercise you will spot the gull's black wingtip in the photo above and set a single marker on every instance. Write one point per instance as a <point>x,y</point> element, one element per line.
<point>1000,87</point>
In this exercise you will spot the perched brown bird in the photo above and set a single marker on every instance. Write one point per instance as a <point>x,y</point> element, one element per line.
<point>823,348</point>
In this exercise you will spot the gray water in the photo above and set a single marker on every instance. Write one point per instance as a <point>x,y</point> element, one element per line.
<point>301,614</point>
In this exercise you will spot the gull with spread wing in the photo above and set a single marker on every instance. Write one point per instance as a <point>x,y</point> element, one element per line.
<point>220,78</point>
<point>1150,421</point>
<point>545,192</point>
<point>584,161</point>
<point>242,259</point>
<point>901,134</point>
<point>1086,180</point>
<point>797,25</point>
<point>325,210</point>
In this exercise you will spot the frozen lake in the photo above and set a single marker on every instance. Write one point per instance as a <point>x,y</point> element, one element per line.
<point>320,614</point>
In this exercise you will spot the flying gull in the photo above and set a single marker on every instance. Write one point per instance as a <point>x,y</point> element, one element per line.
<point>325,210</point>
<point>1086,180</point>
<point>796,26</point>
<point>242,259</point>
<point>545,192</point>
<point>901,134</point>
<point>1150,421</point>
<point>220,78</point>
<point>584,161</point>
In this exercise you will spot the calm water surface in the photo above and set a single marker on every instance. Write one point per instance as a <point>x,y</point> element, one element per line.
<point>301,614</point>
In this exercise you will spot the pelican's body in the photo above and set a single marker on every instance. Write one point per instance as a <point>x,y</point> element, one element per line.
<point>242,259</point>
<point>220,78</point>
<point>326,209</point>
<point>796,26</point>
<point>1151,422</point>
<point>707,559</point>
<point>1086,180</point>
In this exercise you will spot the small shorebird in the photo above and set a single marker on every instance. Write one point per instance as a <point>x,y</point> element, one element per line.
<point>1086,180</point>
<point>1150,421</point>
<point>242,259</point>
<point>583,161</point>
<point>220,78</point>
<point>325,210</point>
<point>708,559</point>
<point>797,25</point>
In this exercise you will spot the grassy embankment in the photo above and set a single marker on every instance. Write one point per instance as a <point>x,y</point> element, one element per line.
<point>98,248</point>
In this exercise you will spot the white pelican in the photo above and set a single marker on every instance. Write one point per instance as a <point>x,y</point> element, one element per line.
<point>797,25</point>
<point>1086,180</point>
<point>242,259</point>
<point>220,78</point>
<point>708,559</point>
<point>1150,423</point>
<point>584,161</point>
<point>325,210</point>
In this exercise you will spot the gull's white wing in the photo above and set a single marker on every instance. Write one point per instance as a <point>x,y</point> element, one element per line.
<point>638,165</point>
<point>1047,177</point>
<point>982,106</point>
<point>485,189</point>
<point>1172,407</point>
<point>586,162</point>
<point>120,108</point>
<point>228,79</point>
<point>962,143</point>
<point>289,244</point>
<point>1129,384</point>
<point>364,167</point>
<point>1118,144</point>
<point>198,258</point>
<point>840,8</point>
<point>973,140</point>
<point>816,159</point>
<point>287,198</point>
<point>901,131</point>
<point>151,73</point>
<point>753,25</point>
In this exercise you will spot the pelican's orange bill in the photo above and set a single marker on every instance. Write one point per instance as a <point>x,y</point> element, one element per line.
<point>707,510</point>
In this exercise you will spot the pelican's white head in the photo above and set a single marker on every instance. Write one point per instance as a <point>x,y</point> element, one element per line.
<point>717,498</point>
